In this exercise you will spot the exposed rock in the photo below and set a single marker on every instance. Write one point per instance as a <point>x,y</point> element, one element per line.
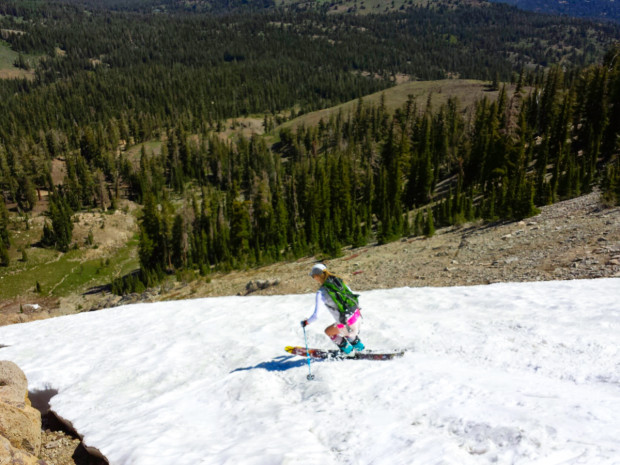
<point>147,296</point>
<point>21,426</point>
<point>13,383</point>
<point>9,455</point>
<point>20,423</point>
<point>260,284</point>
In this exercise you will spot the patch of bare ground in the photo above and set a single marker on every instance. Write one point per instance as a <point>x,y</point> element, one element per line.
<point>16,74</point>
<point>246,127</point>
<point>109,232</point>
<point>61,446</point>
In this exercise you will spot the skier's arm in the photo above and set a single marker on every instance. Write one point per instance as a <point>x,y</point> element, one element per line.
<point>319,303</point>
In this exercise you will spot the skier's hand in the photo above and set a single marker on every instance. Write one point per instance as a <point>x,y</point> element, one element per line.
<point>304,323</point>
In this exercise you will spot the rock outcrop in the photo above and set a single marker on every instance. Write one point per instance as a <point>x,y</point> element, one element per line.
<point>259,284</point>
<point>20,423</point>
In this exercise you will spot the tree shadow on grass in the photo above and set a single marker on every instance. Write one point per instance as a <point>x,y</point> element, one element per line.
<point>282,363</point>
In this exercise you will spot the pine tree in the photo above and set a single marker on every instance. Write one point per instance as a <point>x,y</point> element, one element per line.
<point>26,193</point>
<point>592,120</point>
<point>240,230</point>
<point>330,245</point>
<point>419,223</point>
<point>21,62</point>
<point>610,184</point>
<point>389,192</point>
<point>281,219</point>
<point>180,242</point>
<point>4,255</point>
<point>429,226</point>
<point>359,235</point>
<point>59,233</point>
<point>4,224</point>
<point>152,249</point>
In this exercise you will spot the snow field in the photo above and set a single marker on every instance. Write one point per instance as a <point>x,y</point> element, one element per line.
<point>499,374</point>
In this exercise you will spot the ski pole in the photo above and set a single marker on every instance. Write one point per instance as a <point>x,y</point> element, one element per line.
<point>310,376</point>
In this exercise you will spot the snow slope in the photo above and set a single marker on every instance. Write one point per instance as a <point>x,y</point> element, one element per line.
<point>506,373</point>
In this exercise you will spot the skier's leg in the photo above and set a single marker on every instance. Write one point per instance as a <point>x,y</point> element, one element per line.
<point>334,332</point>
<point>337,333</point>
<point>353,336</point>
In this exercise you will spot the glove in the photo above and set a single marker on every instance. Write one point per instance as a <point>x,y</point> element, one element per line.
<point>304,323</point>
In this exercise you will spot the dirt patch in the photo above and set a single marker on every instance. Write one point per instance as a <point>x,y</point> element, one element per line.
<point>16,73</point>
<point>61,446</point>
<point>108,232</point>
<point>245,127</point>
<point>22,310</point>
<point>59,171</point>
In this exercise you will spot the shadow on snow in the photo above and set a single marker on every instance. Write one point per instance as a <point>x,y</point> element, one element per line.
<point>283,363</point>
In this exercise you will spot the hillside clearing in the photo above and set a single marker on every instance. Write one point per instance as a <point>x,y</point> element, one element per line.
<point>466,91</point>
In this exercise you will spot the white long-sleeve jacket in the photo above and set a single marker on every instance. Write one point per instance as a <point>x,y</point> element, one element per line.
<point>323,301</point>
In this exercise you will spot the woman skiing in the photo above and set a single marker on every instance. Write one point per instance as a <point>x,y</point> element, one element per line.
<point>335,296</point>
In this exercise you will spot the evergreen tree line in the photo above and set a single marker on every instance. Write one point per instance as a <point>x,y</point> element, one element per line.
<point>121,78</point>
<point>373,175</point>
<point>112,79</point>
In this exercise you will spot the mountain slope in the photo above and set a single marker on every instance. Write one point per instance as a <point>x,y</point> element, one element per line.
<point>508,373</point>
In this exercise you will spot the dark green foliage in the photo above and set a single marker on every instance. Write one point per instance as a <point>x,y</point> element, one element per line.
<point>4,234</point>
<point>133,283</point>
<point>356,176</point>
<point>124,78</point>
<point>58,232</point>
<point>154,250</point>
<point>429,225</point>
<point>21,63</point>
<point>4,225</point>
<point>4,255</point>
<point>611,184</point>
<point>240,231</point>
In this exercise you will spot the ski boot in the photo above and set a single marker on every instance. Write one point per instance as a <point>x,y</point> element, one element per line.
<point>357,345</point>
<point>345,346</point>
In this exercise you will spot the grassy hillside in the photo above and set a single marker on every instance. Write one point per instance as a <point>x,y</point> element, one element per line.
<point>106,247</point>
<point>467,91</point>
<point>7,66</point>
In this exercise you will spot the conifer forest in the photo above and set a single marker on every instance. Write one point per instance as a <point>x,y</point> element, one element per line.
<point>104,76</point>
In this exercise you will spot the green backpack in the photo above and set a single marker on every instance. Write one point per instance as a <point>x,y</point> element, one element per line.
<point>343,297</point>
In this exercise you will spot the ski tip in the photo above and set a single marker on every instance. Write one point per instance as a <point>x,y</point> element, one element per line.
<point>289,349</point>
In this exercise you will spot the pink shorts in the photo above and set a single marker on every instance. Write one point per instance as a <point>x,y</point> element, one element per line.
<point>351,321</point>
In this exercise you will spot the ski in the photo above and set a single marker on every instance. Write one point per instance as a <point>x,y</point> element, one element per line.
<point>321,354</point>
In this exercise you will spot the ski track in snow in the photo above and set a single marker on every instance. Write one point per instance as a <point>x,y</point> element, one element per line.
<point>498,374</point>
